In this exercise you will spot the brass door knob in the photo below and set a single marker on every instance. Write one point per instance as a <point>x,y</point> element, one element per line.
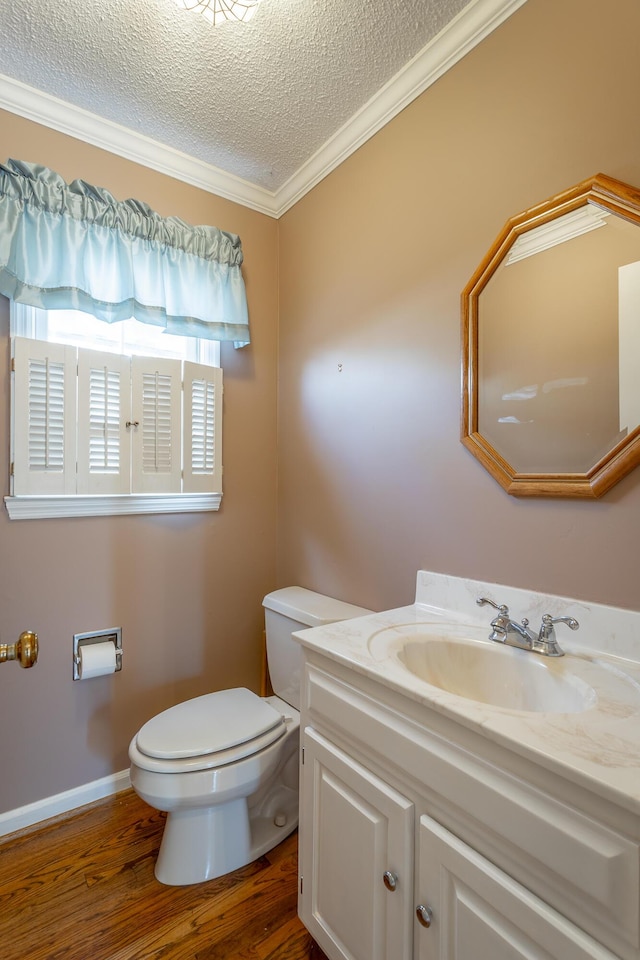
<point>25,650</point>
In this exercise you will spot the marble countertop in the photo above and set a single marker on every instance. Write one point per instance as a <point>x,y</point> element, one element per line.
<point>597,747</point>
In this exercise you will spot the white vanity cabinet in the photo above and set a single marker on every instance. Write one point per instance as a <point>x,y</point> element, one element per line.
<point>357,893</point>
<point>477,911</point>
<point>402,808</point>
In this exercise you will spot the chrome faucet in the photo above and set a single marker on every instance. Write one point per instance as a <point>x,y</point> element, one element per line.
<point>506,630</point>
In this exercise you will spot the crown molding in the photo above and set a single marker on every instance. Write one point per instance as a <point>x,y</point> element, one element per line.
<point>476,21</point>
<point>41,107</point>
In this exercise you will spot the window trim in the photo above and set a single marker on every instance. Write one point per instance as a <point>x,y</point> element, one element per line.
<point>34,507</point>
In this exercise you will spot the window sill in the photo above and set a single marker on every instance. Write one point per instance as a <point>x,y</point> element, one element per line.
<point>38,508</point>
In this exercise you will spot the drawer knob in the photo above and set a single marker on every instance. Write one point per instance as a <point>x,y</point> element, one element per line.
<point>424,915</point>
<point>390,880</point>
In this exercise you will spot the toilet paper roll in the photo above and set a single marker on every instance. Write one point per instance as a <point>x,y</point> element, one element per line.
<point>96,659</point>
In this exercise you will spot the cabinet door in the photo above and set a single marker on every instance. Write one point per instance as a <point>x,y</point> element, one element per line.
<point>480,913</point>
<point>354,829</point>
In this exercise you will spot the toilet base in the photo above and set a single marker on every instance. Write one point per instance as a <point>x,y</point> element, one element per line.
<point>270,825</point>
<point>200,845</point>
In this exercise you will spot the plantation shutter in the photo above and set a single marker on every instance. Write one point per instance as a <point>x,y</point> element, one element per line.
<point>202,428</point>
<point>91,424</point>
<point>104,407</point>
<point>44,440</point>
<point>156,390</point>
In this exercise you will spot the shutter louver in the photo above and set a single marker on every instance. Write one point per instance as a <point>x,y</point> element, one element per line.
<point>104,421</point>
<point>104,405</point>
<point>46,415</point>
<point>44,421</point>
<point>202,428</point>
<point>157,441</point>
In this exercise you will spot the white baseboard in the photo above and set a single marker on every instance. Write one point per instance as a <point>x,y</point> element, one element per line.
<point>49,807</point>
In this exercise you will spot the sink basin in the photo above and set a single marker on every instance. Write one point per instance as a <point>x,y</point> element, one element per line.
<point>497,675</point>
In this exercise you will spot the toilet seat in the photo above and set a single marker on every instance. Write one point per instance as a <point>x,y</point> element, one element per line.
<point>208,731</point>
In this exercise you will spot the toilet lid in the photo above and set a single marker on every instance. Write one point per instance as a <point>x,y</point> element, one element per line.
<point>209,724</point>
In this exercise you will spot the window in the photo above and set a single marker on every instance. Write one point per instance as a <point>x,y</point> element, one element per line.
<point>128,337</point>
<point>93,432</point>
<point>129,422</point>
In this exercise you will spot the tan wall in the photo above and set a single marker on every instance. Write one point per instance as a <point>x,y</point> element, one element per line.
<point>374,482</point>
<point>186,591</point>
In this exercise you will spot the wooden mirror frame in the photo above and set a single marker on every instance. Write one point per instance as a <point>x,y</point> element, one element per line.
<point>622,200</point>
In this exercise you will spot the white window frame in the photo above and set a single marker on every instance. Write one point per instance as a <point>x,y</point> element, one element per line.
<point>26,321</point>
<point>73,504</point>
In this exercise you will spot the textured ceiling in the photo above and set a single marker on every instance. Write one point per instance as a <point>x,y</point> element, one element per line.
<point>256,100</point>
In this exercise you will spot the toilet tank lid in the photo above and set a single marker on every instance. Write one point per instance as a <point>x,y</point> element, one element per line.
<point>309,608</point>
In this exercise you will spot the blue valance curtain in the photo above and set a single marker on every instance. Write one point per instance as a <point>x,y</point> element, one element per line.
<point>74,246</point>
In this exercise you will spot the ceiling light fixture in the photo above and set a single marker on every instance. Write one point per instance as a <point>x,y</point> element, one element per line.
<point>219,11</point>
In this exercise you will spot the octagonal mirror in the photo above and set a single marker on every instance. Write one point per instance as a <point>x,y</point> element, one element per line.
<point>551,345</point>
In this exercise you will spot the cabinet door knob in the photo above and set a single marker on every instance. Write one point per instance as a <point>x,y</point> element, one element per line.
<point>390,880</point>
<point>424,915</point>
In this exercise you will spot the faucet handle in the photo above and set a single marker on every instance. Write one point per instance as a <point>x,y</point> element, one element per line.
<point>548,622</point>
<point>502,608</point>
<point>546,642</point>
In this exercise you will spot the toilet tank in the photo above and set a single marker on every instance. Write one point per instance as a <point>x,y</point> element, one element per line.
<point>290,609</point>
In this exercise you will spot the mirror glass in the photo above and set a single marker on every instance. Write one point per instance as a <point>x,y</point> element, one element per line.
<point>551,358</point>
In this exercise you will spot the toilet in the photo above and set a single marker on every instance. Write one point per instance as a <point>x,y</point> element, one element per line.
<point>224,766</point>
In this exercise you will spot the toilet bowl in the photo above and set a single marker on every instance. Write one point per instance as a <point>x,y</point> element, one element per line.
<point>207,832</point>
<point>224,766</point>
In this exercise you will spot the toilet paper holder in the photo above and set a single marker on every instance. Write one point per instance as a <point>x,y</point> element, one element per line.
<point>114,634</point>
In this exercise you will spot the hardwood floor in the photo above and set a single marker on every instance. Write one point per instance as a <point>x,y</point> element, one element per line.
<point>82,888</point>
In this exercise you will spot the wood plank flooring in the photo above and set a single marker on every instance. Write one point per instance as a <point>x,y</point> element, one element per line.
<point>82,888</point>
